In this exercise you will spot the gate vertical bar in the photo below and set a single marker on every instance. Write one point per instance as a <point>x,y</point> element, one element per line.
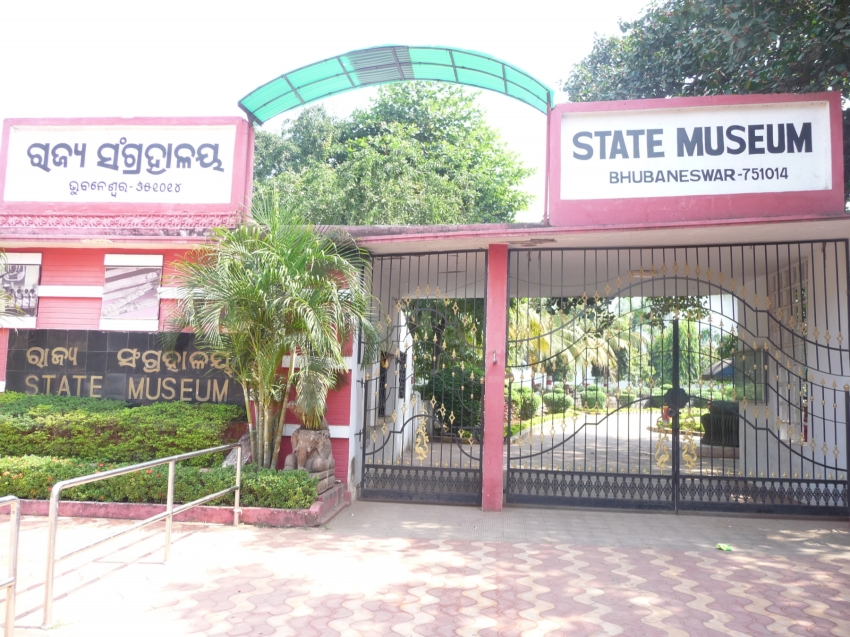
<point>495,357</point>
<point>674,412</point>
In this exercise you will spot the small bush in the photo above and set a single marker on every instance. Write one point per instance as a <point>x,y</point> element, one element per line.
<point>593,388</point>
<point>108,430</point>
<point>593,399</point>
<point>32,477</point>
<point>557,401</point>
<point>525,404</point>
<point>626,399</point>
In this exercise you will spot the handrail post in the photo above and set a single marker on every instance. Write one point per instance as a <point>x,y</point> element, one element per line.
<point>52,526</point>
<point>236,509</point>
<point>169,507</point>
<point>15,524</point>
<point>167,515</point>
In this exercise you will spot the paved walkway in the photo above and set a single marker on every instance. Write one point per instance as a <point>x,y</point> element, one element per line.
<point>394,569</point>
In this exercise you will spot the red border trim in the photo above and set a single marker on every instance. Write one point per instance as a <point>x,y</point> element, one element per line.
<point>239,188</point>
<point>699,209</point>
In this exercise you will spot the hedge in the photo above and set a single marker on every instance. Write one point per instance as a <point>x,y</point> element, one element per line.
<point>32,477</point>
<point>627,400</point>
<point>109,430</point>
<point>525,404</point>
<point>593,399</point>
<point>557,401</point>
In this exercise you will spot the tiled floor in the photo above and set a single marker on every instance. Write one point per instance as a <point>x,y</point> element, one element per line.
<point>395,569</point>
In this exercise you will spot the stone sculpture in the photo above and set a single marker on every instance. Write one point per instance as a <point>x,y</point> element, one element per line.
<point>311,451</point>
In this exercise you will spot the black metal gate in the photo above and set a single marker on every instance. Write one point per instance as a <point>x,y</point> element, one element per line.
<point>422,409</point>
<point>704,377</point>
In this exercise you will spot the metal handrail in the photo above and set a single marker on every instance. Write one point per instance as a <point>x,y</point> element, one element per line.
<point>167,515</point>
<point>11,582</point>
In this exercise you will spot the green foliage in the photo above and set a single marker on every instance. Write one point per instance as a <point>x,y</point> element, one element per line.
<point>686,308</point>
<point>33,477</point>
<point>108,430</point>
<point>432,317</point>
<point>445,385</point>
<point>712,47</point>
<point>593,399</point>
<point>278,489</point>
<point>271,288</point>
<point>591,387</point>
<point>16,404</point>
<point>557,401</point>
<point>420,154</point>
<point>693,357</point>
<point>728,345</point>
<point>525,403</point>
<point>626,399</point>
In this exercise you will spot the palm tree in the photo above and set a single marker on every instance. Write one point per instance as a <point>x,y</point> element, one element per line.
<point>572,340</point>
<point>270,292</point>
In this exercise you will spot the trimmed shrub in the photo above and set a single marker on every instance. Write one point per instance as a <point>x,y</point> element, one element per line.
<point>593,399</point>
<point>83,428</point>
<point>557,401</point>
<point>593,388</point>
<point>17,404</point>
<point>525,404</point>
<point>626,399</point>
<point>32,477</point>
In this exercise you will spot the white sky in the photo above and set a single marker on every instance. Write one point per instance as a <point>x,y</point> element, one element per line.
<point>124,58</point>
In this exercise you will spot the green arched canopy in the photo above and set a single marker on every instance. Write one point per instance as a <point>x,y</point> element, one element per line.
<point>386,64</point>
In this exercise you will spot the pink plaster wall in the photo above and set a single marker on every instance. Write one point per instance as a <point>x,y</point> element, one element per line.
<point>4,351</point>
<point>68,314</point>
<point>84,266</point>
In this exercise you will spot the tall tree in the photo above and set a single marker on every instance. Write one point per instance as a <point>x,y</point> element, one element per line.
<point>422,153</point>
<point>710,47</point>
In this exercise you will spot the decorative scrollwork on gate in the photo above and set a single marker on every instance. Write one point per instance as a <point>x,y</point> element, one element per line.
<point>689,447</point>
<point>662,451</point>
<point>422,442</point>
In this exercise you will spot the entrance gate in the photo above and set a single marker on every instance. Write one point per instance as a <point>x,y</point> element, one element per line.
<point>422,409</point>
<point>704,377</point>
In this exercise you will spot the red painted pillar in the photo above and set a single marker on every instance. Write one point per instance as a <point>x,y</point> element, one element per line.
<point>495,343</point>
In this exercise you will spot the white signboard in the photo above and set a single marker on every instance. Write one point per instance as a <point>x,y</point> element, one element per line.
<point>180,164</point>
<point>680,152</point>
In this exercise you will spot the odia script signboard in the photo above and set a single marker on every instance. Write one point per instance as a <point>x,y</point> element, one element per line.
<point>148,164</point>
<point>688,160</point>
<point>130,366</point>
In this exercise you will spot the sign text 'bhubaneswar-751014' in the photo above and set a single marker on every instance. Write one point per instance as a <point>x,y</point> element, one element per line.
<point>693,159</point>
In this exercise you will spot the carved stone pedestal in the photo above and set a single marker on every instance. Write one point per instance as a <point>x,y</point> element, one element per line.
<point>326,480</point>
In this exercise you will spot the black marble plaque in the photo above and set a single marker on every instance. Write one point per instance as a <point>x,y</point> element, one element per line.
<point>129,366</point>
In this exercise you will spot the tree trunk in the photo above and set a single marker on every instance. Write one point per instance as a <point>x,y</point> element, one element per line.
<point>278,431</point>
<point>252,429</point>
<point>267,418</point>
